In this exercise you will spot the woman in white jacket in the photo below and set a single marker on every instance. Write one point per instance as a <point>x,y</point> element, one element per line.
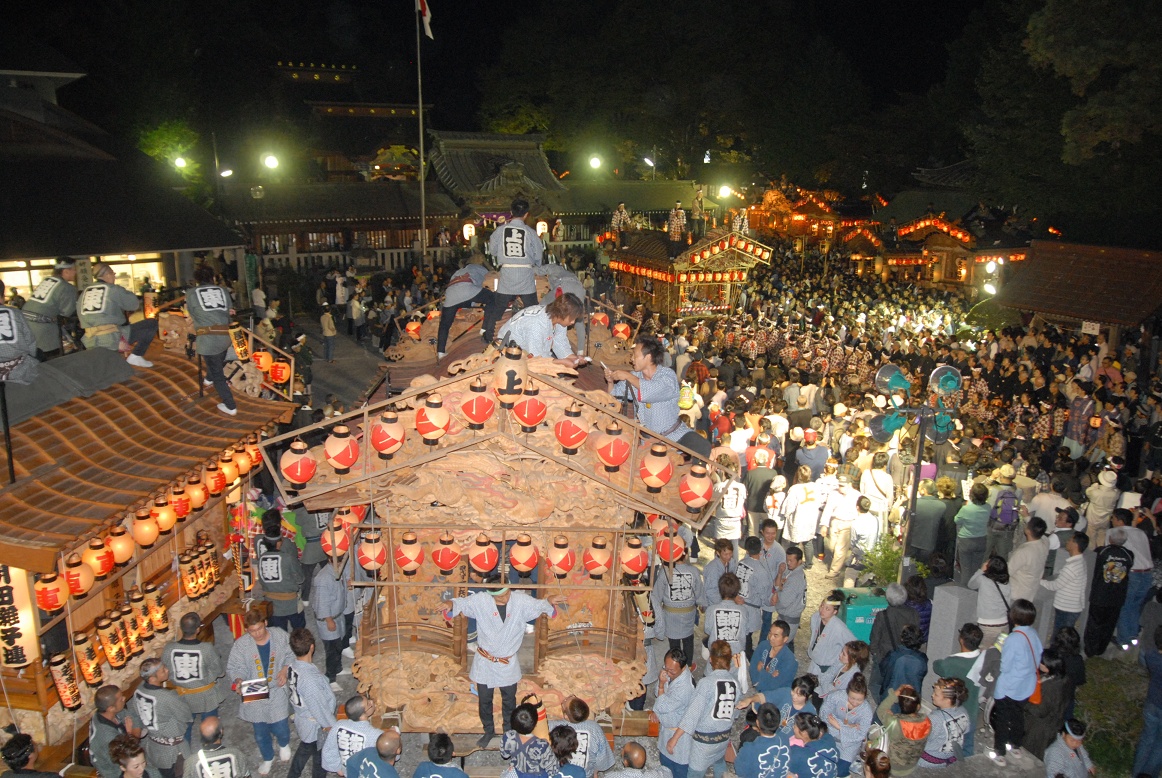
<point>800,513</point>
<point>1103,498</point>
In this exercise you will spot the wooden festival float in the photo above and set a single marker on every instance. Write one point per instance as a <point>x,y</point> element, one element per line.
<point>704,280</point>
<point>500,467</point>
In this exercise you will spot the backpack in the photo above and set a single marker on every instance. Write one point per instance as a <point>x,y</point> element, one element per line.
<point>1005,511</point>
<point>686,397</point>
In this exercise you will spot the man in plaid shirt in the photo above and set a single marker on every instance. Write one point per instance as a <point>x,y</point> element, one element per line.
<point>677,229</point>
<point>621,224</point>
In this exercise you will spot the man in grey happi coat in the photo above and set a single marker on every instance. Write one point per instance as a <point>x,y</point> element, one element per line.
<point>280,573</point>
<point>164,715</point>
<point>312,525</point>
<point>209,307</point>
<point>516,248</point>
<point>330,600</point>
<point>103,308</point>
<point>674,692</point>
<point>314,702</point>
<point>729,619</point>
<point>214,759</point>
<point>593,753</point>
<point>675,597</point>
<point>264,653</point>
<point>563,281</point>
<point>53,298</point>
<point>501,615</point>
<point>110,719</point>
<point>194,669</point>
<point>17,344</point>
<point>711,711</point>
<point>633,764</point>
<point>351,735</point>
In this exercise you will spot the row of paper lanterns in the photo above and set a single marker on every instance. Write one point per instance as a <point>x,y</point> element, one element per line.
<point>99,558</point>
<point>645,272</point>
<point>739,244</point>
<point>716,276</point>
<point>279,370</point>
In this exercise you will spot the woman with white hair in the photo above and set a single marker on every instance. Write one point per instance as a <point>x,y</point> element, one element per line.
<point>1102,498</point>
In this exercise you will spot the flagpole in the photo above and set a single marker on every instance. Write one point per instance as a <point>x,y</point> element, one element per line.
<point>423,185</point>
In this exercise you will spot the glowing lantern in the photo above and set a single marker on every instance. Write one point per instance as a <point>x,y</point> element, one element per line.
<point>612,448</point>
<point>215,481</point>
<point>633,558</point>
<point>121,545</point>
<point>561,557</point>
<point>387,434</point>
<point>189,575</point>
<point>733,240</point>
<point>715,249</point>
<point>483,556</point>
<point>530,411</point>
<point>241,459</point>
<point>447,556</point>
<point>433,420</point>
<point>601,318</point>
<point>706,253</point>
<point>262,360</point>
<point>163,514</point>
<point>98,556</point>
<point>722,244</point>
<point>571,430</point>
<point>280,372</point>
<point>335,540</point>
<point>523,555</point>
<point>227,468</point>
<point>509,375</point>
<point>141,614</point>
<point>412,328</point>
<point>65,681</point>
<point>766,254</point>
<point>78,576</point>
<point>670,546</point>
<point>197,492</point>
<point>86,656</point>
<point>718,276</point>
<point>50,592</point>
<point>340,449</point>
<point>682,278</point>
<point>253,450</point>
<point>111,643</point>
<point>622,331</point>
<point>179,501</point>
<point>157,612</point>
<point>597,557</point>
<point>145,529</point>
<point>372,554</point>
<point>656,468</point>
<point>695,488</point>
<point>479,407</point>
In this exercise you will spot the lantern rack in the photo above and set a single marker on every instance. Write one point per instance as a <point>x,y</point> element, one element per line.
<point>243,340</point>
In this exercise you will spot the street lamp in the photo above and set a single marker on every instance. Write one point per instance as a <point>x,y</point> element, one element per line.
<point>226,173</point>
<point>595,162</point>
<point>725,191</point>
<point>179,162</point>
<point>270,161</point>
<point>991,266</point>
<point>990,287</point>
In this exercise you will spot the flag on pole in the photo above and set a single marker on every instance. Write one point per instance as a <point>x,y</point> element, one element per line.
<point>426,14</point>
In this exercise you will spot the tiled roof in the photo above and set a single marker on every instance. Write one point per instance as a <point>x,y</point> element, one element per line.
<point>478,163</point>
<point>913,203</point>
<point>1087,283</point>
<point>648,244</point>
<point>81,464</point>
<point>958,175</point>
<point>346,202</point>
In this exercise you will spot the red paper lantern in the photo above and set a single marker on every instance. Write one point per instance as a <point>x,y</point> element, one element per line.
<point>413,329</point>
<point>597,557</point>
<point>601,318</point>
<point>622,331</point>
<point>297,465</point>
<point>561,557</point>
<point>612,448</point>
<point>432,420</point>
<point>479,407</point>
<point>657,523</point>
<point>571,430</point>
<point>409,554</point>
<point>682,278</point>
<point>656,468</point>
<point>78,576</point>
<point>341,449</point>
<point>179,501</point>
<point>766,254</point>
<point>633,558</point>
<point>262,360</point>
<point>253,450</point>
<point>529,410</point>
<point>695,488</point>
<point>718,276</point>
<point>359,511</point>
<point>51,592</point>
<point>372,554</point>
<point>387,434</point>
<point>346,517</point>
<point>706,253</point>
<point>335,540</point>
<point>447,556</point>
<point>523,555</point>
<point>722,245</point>
<point>215,481</point>
<point>280,371</point>
<point>670,546</point>
<point>483,557</point>
<point>733,240</point>
<point>241,459</point>
<point>197,492</point>
<point>98,556</point>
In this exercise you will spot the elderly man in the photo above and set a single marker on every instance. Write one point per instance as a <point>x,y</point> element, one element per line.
<point>53,298</point>
<point>1107,594</point>
<point>379,760</point>
<point>103,310</point>
<point>501,615</point>
<point>654,389</point>
<point>214,759</point>
<point>164,715</point>
<point>351,735</point>
<point>633,764</point>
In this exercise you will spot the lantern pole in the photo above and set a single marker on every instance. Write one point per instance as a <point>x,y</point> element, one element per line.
<point>7,431</point>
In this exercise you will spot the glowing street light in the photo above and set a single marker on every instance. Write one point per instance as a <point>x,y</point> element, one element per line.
<point>991,266</point>
<point>725,191</point>
<point>226,173</point>
<point>270,161</point>
<point>179,162</point>
<point>595,162</point>
<point>990,288</point>
<point>648,161</point>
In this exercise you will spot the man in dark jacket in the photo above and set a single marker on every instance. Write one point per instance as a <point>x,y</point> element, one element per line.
<point>890,622</point>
